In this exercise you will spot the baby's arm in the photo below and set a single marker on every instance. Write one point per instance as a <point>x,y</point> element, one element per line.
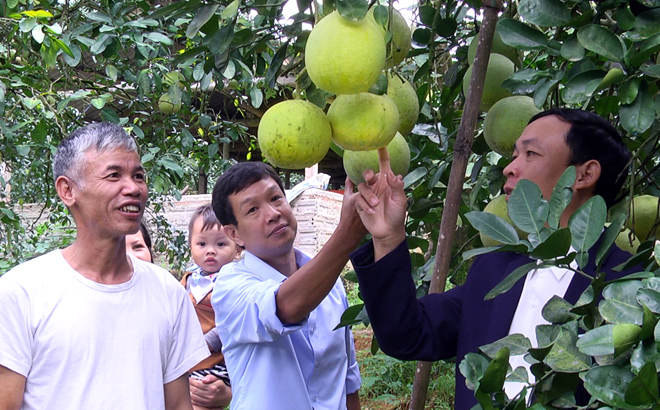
<point>213,340</point>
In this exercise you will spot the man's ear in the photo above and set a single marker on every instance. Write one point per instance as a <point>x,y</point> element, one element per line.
<point>588,175</point>
<point>232,232</point>
<point>65,188</point>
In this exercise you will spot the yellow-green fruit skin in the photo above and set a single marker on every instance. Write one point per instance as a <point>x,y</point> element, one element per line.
<point>499,69</point>
<point>356,162</point>
<point>345,57</point>
<point>623,242</point>
<point>294,134</point>
<point>498,47</point>
<point>401,36</point>
<point>404,96</point>
<point>166,106</point>
<point>505,122</point>
<point>364,121</point>
<point>644,210</point>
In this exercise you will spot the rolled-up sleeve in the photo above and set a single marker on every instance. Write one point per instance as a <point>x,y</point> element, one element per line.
<point>353,379</point>
<point>246,308</point>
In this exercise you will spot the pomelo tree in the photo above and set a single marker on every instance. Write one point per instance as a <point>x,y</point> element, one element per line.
<point>226,62</point>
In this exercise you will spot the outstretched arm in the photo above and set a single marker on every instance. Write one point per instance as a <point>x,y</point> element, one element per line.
<point>303,291</point>
<point>382,206</point>
<point>177,395</point>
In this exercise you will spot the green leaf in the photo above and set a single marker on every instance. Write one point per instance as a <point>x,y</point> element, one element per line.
<point>644,353</point>
<point>601,41</point>
<point>554,246</point>
<point>586,224</point>
<point>643,388</point>
<point>516,343</point>
<point>511,280</point>
<point>527,207</point>
<point>625,18</point>
<point>638,116</point>
<point>111,71</point>
<point>582,86</point>
<point>276,64</point>
<point>649,298</point>
<point>564,355</point>
<point>26,25</point>
<point>350,316</point>
<point>231,10</point>
<point>353,10</point>
<point>108,114</point>
<point>629,89</point>
<point>647,49</point>
<point>493,226</point>
<point>75,60</point>
<point>608,384</point>
<point>597,342</point>
<point>495,374</point>
<point>38,33</point>
<point>381,15</point>
<point>558,311</point>
<point>98,102</point>
<point>160,38</point>
<point>98,16</point>
<point>544,13</point>
<point>647,24</point>
<point>472,367</point>
<point>518,375</point>
<point>23,150</point>
<point>652,70</point>
<point>562,194</point>
<point>202,16</point>
<point>610,236</point>
<point>620,303</point>
<point>521,36</point>
<point>571,49</point>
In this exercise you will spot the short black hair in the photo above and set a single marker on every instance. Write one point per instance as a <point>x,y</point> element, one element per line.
<point>209,220</point>
<point>236,179</point>
<point>593,137</point>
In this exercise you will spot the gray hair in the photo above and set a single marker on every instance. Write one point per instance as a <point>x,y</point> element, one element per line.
<point>100,136</point>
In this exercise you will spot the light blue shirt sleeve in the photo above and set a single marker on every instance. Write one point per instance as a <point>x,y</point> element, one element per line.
<point>245,307</point>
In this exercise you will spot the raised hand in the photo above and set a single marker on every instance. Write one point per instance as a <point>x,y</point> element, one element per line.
<point>382,206</point>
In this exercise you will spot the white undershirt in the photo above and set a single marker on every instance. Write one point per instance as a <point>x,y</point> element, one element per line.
<point>540,286</point>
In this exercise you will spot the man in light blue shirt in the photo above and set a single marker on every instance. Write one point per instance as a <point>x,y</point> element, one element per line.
<point>276,309</point>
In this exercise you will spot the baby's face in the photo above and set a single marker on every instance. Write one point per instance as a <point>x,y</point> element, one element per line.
<point>211,249</point>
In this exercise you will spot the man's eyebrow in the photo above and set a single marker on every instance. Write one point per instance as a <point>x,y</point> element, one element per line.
<point>251,198</point>
<point>115,167</point>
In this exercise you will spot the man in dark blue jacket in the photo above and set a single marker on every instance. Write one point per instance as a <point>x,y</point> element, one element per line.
<point>454,323</point>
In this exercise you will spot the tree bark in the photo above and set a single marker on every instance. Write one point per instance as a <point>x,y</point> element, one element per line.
<point>462,149</point>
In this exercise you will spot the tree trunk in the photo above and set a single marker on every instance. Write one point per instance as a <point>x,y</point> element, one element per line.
<point>462,149</point>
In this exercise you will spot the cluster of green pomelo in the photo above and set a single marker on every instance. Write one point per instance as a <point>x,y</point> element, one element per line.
<point>347,58</point>
<point>166,103</point>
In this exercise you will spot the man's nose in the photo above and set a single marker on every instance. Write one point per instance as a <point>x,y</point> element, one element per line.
<point>273,213</point>
<point>134,188</point>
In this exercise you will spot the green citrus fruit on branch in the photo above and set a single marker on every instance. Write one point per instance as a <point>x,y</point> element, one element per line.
<point>167,106</point>
<point>643,217</point>
<point>401,36</point>
<point>174,78</point>
<point>498,47</point>
<point>356,162</point>
<point>499,69</point>
<point>294,134</point>
<point>364,121</point>
<point>405,98</point>
<point>345,57</point>
<point>505,122</point>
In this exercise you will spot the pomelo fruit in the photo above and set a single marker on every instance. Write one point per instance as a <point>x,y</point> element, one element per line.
<point>174,78</point>
<point>644,210</point>
<point>499,69</point>
<point>404,96</point>
<point>401,36</point>
<point>623,241</point>
<point>498,47</point>
<point>364,121</point>
<point>166,106</point>
<point>345,57</point>
<point>499,207</point>
<point>356,162</point>
<point>505,122</point>
<point>294,134</point>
